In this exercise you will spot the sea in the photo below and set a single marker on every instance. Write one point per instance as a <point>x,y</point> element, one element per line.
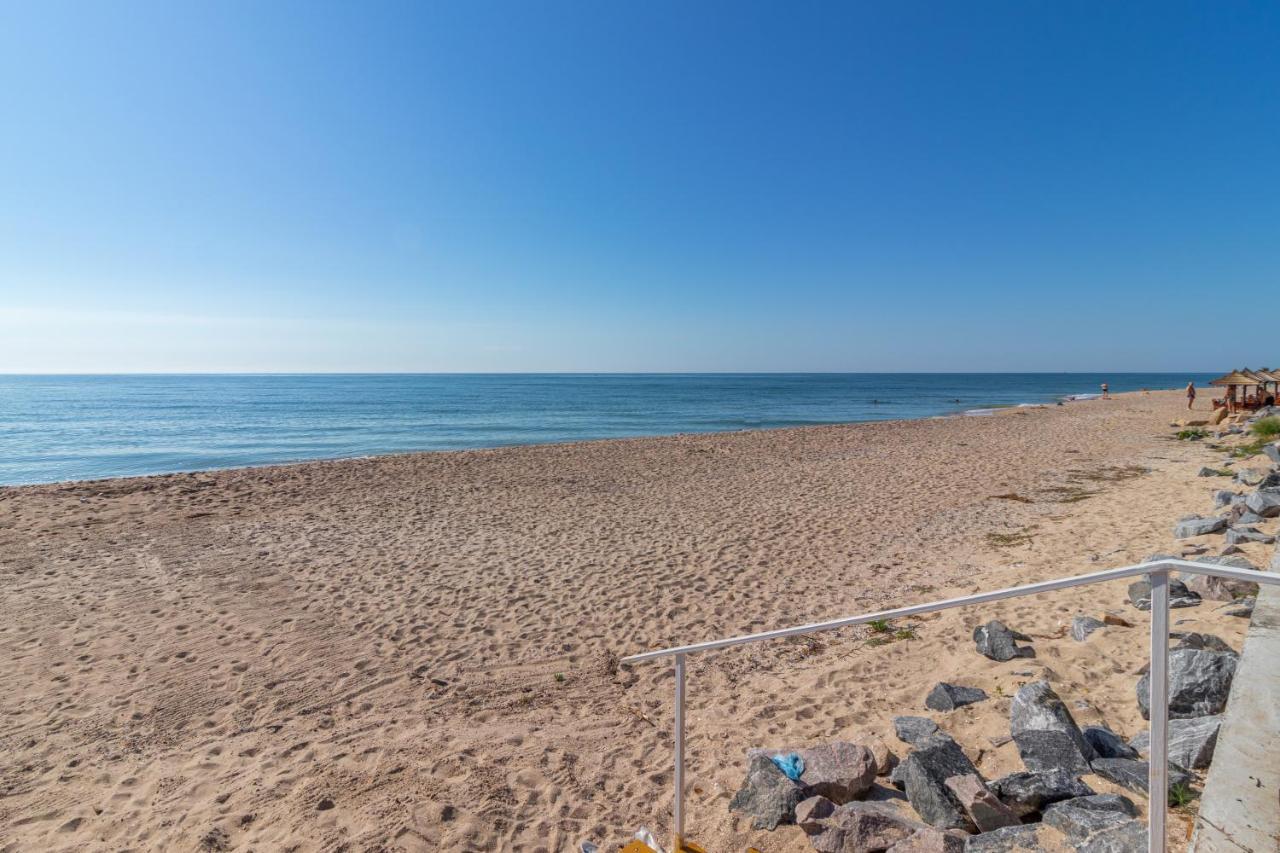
<point>58,428</point>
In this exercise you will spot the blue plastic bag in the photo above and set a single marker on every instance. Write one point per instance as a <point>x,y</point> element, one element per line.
<point>791,764</point>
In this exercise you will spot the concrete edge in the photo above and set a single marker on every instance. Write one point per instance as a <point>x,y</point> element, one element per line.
<point>1240,806</point>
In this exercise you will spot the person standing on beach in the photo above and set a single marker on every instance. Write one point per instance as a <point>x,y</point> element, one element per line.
<point>1191,394</point>
<point>1105,394</point>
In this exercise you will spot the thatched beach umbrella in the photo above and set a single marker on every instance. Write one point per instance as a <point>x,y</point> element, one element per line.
<point>1243,378</point>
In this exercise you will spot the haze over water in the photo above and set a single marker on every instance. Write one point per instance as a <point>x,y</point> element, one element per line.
<point>55,428</point>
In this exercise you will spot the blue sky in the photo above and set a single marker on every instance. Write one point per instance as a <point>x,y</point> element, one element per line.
<point>679,186</point>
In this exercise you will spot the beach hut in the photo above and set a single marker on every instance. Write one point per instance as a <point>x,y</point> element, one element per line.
<point>1270,381</point>
<point>1235,400</point>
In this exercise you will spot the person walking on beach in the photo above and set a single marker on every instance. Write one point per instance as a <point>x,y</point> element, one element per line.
<point>1105,393</point>
<point>1191,394</point>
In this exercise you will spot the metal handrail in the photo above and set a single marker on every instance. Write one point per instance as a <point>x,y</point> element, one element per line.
<point>1156,570</point>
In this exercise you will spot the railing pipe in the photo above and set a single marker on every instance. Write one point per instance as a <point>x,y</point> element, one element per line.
<point>678,808</point>
<point>1158,711</point>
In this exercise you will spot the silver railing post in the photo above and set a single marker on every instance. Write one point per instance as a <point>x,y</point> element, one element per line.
<point>1158,702</point>
<point>677,840</point>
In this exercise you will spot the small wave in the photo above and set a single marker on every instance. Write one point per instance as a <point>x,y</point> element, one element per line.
<point>1074,397</point>
<point>979,413</point>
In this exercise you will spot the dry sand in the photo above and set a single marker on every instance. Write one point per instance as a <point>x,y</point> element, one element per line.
<point>413,652</point>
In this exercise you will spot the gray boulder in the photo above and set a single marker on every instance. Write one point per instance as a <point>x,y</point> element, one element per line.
<point>997,641</point>
<point>1273,452</point>
<point>873,827</point>
<point>984,809</point>
<point>1208,472</point>
<point>1132,774</point>
<point>1083,817</point>
<point>767,795</point>
<point>1222,589</point>
<point>840,771</point>
<point>1213,588</point>
<point>1249,517</point>
<point>1083,626</point>
<point>1242,608</point>
<point>1179,594</point>
<point>1199,683</point>
<point>1224,497</point>
<point>1241,535</point>
<point>1127,837</point>
<point>1251,476</point>
<point>1264,502</point>
<point>1197,526</point>
<point>948,697</point>
<point>1012,839</point>
<point>1045,732</point>
<point>913,729</point>
<point>1108,744</point>
<point>924,774</point>
<point>1191,741</point>
<point>1028,793</point>
<point>1196,640</point>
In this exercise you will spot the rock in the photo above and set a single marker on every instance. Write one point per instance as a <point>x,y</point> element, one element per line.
<point>1083,817</point>
<point>1195,640</point>
<point>1083,626</point>
<point>1264,502</point>
<point>1115,619</point>
<point>1108,744</point>
<point>1251,476</point>
<point>1230,550</point>
<point>1132,774</point>
<point>948,697</point>
<point>1222,589</point>
<point>884,756</point>
<point>1179,595</point>
<point>925,772</point>
<point>984,809</point>
<point>1197,526</point>
<point>1208,472</point>
<point>1028,793</point>
<point>1047,735</point>
<point>1242,608</point>
<point>913,729</point>
<point>1230,561</point>
<point>1249,517</point>
<point>1273,452</point>
<point>896,779</point>
<point>1012,839</point>
<point>840,771</point>
<point>931,841</point>
<point>857,826</point>
<point>767,795</point>
<point>1223,497</point>
<point>996,641</point>
<point>1199,683</point>
<point>1238,535</point>
<point>1191,741</point>
<point>1127,837</point>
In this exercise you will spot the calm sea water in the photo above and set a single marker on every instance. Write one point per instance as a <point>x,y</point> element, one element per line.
<point>56,428</point>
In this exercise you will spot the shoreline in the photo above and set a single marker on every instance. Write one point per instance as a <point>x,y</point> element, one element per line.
<point>423,641</point>
<point>968,413</point>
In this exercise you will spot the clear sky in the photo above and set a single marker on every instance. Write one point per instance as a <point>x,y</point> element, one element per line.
<point>651,186</point>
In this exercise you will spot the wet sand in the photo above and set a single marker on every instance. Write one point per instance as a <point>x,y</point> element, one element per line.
<point>416,652</point>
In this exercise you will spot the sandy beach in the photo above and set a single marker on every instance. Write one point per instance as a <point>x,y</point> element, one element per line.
<point>418,652</point>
